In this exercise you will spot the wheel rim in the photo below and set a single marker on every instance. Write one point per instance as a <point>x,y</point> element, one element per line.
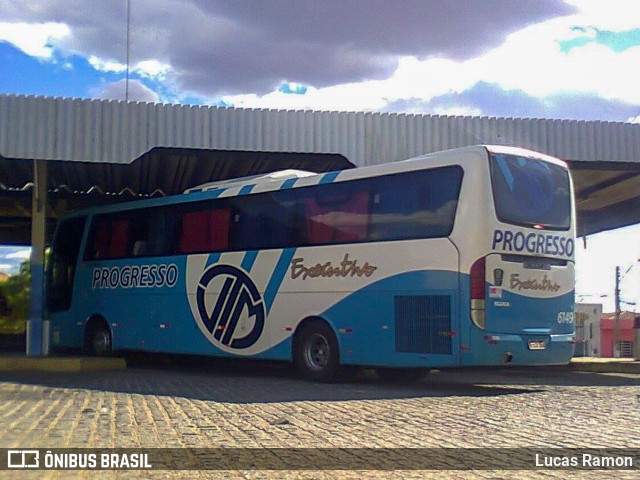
<point>101,342</point>
<point>317,352</point>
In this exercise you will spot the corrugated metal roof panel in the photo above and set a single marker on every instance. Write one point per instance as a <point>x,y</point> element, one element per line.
<point>162,171</point>
<point>119,132</point>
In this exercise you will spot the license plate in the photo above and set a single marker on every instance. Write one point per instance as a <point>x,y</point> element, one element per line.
<point>537,345</point>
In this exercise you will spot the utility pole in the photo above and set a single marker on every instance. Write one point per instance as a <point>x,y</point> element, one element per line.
<point>616,331</point>
<point>126,82</point>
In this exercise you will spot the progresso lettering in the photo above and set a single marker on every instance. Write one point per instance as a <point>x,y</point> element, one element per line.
<point>135,276</point>
<point>534,243</point>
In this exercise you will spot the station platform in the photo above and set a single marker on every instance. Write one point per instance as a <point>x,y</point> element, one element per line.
<point>21,362</point>
<point>605,365</point>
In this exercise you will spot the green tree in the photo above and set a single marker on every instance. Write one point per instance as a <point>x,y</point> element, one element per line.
<point>17,290</point>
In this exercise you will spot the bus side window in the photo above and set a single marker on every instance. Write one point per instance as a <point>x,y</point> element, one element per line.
<point>276,230</point>
<point>263,221</point>
<point>219,221</point>
<point>205,231</point>
<point>319,222</point>
<point>138,242</point>
<point>248,228</point>
<point>161,223</point>
<point>107,238</point>
<point>119,234</point>
<point>420,205</point>
<point>352,219</point>
<point>135,233</point>
<point>440,201</point>
<point>193,232</point>
<point>393,206</point>
<point>100,241</point>
<point>337,215</point>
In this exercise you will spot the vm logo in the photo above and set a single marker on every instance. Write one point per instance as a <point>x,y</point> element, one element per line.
<point>239,299</point>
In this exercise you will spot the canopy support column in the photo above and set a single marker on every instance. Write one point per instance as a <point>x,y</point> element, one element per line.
<point>37,326</point>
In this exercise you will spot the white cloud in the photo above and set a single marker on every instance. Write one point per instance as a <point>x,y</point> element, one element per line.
<point>20,254</point>
<point>635,119</point>
<point>103,65</point>
<point>613,15</point>
<point>346,97</point>
<point>138,92</point>
<point>152,69</point>
<point>530,60</point>
<point>146,68</point>
<point>456,110</point>
<point>35,39</point>
<point>412,79</point>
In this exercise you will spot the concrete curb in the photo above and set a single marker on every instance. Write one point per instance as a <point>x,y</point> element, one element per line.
<point>60,364</point>
<point>606,367</point>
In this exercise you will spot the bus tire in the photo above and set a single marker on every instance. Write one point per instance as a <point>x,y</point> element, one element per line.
<point>316,353</point>
<point>402,375</point>
<point>98,339</point>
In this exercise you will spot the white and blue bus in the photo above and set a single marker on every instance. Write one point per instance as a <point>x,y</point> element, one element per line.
<point>458,258</point>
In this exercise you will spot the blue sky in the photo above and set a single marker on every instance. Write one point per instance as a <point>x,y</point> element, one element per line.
<point>574,59</point>
<point>530,58</point>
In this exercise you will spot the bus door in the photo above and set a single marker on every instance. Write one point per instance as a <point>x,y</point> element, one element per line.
<point>61,271</point>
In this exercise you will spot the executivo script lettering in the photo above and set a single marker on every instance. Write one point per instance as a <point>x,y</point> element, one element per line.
<point>346,268</point>
<point>544,284</point>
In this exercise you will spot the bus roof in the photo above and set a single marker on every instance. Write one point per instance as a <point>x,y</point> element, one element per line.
<point>203,192</point>
<point>523,152</point>
<point>252,179</point>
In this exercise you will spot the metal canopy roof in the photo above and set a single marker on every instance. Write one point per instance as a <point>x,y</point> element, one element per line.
<point>162,171</point>
<point>607,194</point>
<point>103,150</point>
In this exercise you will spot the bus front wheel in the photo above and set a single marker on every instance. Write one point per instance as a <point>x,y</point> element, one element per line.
<point>98,340</point>
<point>316,352</point>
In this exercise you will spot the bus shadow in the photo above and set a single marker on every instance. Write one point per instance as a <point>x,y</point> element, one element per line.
<point>248,382</point>
<point>10,343</point>
<point>515,377</point>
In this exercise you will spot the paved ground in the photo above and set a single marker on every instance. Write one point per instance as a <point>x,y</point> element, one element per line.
<point>239,405</point>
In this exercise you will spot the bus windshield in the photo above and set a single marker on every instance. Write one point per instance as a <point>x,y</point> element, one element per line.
<point>530,192</point>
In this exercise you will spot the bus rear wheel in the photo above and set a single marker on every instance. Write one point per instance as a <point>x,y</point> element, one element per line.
<point>316,352</point>
<point>98,340</point>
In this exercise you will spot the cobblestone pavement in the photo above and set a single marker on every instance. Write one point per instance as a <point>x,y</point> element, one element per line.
<point>266,406</point>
